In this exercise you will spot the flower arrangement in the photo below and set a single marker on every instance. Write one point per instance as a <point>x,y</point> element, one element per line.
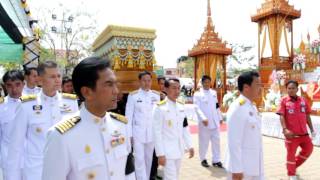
<point>272,100</point>
<point>315,46</point>
<point>281,77</point>
<point>299,62</point>
<point>229,97</point>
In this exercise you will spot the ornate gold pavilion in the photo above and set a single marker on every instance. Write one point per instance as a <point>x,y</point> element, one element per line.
<point>275,30</point>
<point>210,55</point>
<point>131,50</point>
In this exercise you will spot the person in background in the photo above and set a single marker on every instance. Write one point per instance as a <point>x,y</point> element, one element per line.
<point>67,86</point>
<point>31,78</point>
<point>244,155</point>
<point>13,81</point>
<point>170,131</point>
<point>139,113</point>
<point>294,114</point>
<point>209,127</point>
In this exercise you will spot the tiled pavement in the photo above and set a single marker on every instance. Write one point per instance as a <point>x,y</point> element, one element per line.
<point>274,163</point>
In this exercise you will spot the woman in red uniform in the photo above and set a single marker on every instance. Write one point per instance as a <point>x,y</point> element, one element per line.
<point>294,114</point>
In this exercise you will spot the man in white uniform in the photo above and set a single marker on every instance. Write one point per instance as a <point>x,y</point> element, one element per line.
<point>244,156</point>
<point>139,113</point>
<point>94,144</point>
<point>170,131</point>
<point>31,77</point>
<point>209,128</point>
<point>13,81</point>
<point>36,114</point>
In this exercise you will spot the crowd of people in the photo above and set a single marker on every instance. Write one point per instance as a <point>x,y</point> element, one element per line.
<point>84,128</point>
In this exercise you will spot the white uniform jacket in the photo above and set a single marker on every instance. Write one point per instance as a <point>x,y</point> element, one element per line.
<point>92,148</point>
<point>207,101</point>
<point>7,113</point>
<point>29,91</point>
<point>35,115</point>
<point>139,113</point>
<point>170,137</point>
<point>244,147</point>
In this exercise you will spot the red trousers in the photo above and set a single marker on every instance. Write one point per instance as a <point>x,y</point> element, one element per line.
<point>293,160</point>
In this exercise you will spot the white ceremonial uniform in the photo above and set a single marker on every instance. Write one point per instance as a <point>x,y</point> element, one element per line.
<point>244,142</point>
<point>35,115</point>
<point>7,113</point>
<point>170,137</point>
<point>207,100</point>
<point>139,113</point>
<point>27,91</point>
<point>90,148</point>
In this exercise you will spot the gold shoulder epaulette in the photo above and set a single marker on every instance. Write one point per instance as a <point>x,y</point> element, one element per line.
<point>119,117</point>
<point>1,99</point>
<point>242,101</point>
<point>162,102</point>
<point>156,92</point>
<point>67,124</point>
<point>27,98</point>
<point>134,92</point>
<point>69,96</point>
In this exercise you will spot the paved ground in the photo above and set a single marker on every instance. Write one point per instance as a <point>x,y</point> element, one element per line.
<point>274,156</point>
<point>274,163</point>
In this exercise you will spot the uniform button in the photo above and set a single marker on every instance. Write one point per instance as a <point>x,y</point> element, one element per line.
<point>103,129</point>
<point>53,117</point>
<point>107,151</point>
<point>111,173</point>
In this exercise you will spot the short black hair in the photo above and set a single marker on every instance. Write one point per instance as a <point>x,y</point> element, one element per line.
<point>246,78</point>
<point>205,77</point>
<point>47,64</point>
<point>160,77</point>
<point>292,82</point>
<point>66,79</point>
<point>85,74</point>
<point>13,75</point>
<point>143,73</point>
<point>167,81</point>
<point>28,70</point>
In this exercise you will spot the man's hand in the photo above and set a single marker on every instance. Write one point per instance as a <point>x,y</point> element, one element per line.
<point>162,160</point>
<point>287,133</point>
<point>205,122</point>
<point>191,152</point>
<point>221,121</point>
<point>237,176</point>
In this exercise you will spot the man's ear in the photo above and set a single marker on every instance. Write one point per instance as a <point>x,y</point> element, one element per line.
<point>86,92</point>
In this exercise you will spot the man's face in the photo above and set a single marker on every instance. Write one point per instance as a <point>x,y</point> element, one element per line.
<point>255,88</point>
<point>67,87</point>
<point>206,84</point>
<point>173,91</point>
<point>105,93</point>
<point>161,84</point>
<point>51,79</point>
<point>292,89</point>
<point>32,78</point>
<point>145,82</point>
<point>14,88</point>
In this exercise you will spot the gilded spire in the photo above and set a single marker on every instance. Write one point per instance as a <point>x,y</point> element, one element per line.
<point>209,9</point>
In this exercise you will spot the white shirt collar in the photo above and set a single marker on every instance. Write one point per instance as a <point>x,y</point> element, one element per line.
<point>91,117</point>
<point>48,98</point>
<point>13,100</point>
